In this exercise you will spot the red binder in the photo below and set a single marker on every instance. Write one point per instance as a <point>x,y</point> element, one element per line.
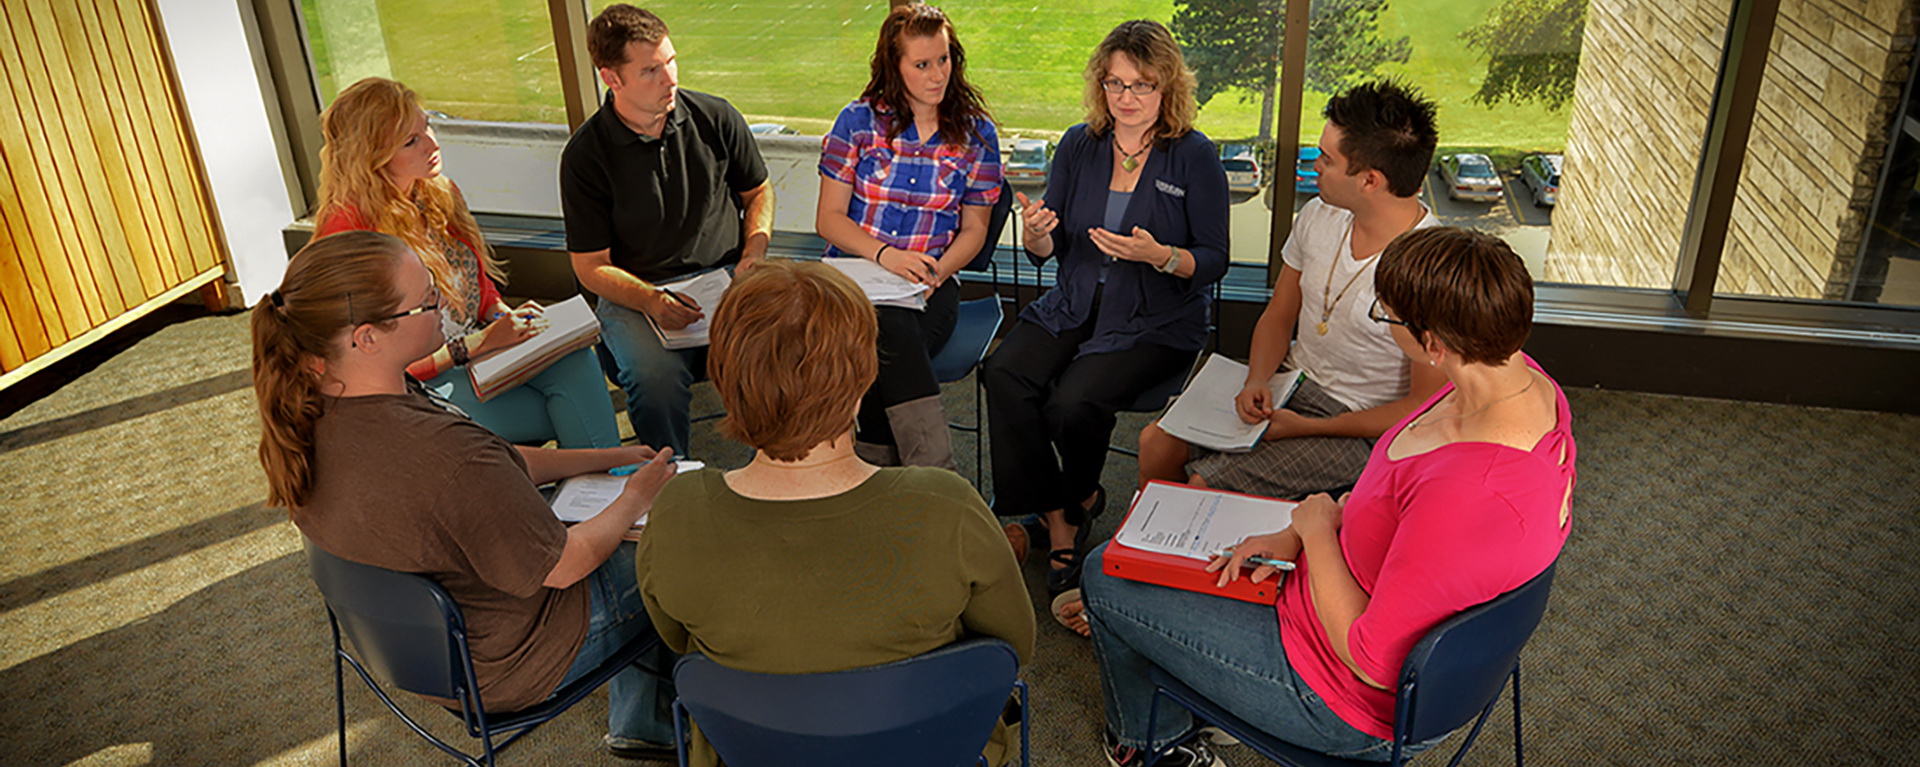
<point>1122,561</point>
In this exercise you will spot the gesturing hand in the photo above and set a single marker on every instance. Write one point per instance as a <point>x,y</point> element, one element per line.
<point>1138,246</point>
<point>1039,220</point>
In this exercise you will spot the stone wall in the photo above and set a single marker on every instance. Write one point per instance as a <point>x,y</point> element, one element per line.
<point>1640,113</point>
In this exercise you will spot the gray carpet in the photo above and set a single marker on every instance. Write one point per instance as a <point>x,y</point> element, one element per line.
<point>1739,588</point>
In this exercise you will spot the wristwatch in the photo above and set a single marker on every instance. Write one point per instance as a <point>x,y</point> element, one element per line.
<point>457,348</point>
<point>1173,260</point>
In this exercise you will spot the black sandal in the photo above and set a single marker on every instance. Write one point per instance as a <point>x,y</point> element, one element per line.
<point>1065,578</point>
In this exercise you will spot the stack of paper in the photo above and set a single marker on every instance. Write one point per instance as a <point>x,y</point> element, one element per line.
<point>1205,414</point>
<point>705,289</point>
<point>570,326</point>
<point>882,287</point>
<point>1197,523</point>
<point>580,498</point>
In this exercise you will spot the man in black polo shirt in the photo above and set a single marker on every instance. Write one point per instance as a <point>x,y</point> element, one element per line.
<point>658,184</point>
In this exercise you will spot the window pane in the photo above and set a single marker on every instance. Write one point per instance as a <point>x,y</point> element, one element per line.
<point>487,73</point>
<point>1535,89</point>
<point>1820,176</point>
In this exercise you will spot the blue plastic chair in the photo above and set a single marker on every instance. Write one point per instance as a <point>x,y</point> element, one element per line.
<point>1457,670</point>
<point>932,710</point>
<point>408,631</point>
<point>974,329</point>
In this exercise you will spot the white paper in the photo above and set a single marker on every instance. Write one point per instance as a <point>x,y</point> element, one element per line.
<point>567,322</point>
<point>1197,523</point>
<point>882,287</point>
<point>581,498</point>
<point>706,290</point>
<point>1204,414</point>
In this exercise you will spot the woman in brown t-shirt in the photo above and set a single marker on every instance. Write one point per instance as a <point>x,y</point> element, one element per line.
<point>373,470</point>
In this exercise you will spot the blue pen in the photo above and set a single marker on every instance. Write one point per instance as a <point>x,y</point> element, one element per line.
<point>621,471</point>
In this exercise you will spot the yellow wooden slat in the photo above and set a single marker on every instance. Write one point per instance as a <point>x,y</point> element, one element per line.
<point>69,258</point>
<point>206,246</point>
<point>24,338</point>
<point>90,57</point>
<point>55,298</point>
<point>94,198</point>
<point>135,131</point>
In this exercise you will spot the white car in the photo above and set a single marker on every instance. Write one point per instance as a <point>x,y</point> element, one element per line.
<point>1471,177</point>
<point>1243,170</point>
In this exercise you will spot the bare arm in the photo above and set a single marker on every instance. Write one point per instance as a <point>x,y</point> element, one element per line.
<point>1371,422</point>
<point>757,206</point>
<point>1272,338</point>
<point>589,543</point>
<point>612,283</point>
<point>548,465</point>
<point>1338,599</point>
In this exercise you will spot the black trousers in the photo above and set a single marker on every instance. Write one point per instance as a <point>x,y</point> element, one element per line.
<point>1044,402</point>
<point>908,340</point>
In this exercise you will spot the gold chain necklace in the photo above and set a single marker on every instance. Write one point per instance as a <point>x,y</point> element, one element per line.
<point>1427,420</point>
<point>1326,304</point>
<point>1127,161</point>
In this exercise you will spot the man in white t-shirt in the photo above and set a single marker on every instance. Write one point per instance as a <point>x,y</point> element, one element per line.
<point>1374,153</point>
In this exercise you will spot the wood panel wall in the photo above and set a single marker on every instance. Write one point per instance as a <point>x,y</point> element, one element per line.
<point>104,208</point>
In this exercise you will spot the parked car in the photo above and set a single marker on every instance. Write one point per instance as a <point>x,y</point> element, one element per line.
<point>1243,170</point>
<point>1029,161</point>
<point>771,129</point>
<point>1306,179</point>
<point>1471,177</point>
<point>1541,174</point>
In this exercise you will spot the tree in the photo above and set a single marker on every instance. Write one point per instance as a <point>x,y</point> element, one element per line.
<point>1235,44</point>
<point>1532,49</point>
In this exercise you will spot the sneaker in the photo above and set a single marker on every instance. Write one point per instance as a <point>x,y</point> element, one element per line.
<point>1191,752</point>
<point>630,748</point>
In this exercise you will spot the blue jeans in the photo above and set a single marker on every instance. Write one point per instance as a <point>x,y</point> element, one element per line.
<point>567,403</point>
<point>639,704</point>
<point>1225,649</point>
<point>658,381</point>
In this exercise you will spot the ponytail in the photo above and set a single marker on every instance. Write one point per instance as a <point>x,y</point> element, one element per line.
<point>294,335</point>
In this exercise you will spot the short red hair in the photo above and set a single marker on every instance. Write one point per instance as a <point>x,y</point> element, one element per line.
<point>792,353</point>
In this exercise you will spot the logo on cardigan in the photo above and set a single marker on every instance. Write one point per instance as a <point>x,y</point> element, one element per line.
<point>1167,188</point>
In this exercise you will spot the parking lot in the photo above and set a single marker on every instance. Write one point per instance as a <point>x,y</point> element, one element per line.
<point>791,162</point>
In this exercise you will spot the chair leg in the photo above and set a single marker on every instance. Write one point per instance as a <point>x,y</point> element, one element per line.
<point>1519,755</point>
<point>339,691</point>
<point>680,732</point>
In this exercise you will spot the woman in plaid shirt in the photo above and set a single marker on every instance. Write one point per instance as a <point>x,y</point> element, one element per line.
<point>908,176</point>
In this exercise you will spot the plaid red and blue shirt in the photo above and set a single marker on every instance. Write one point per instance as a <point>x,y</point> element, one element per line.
<point>908,194</point>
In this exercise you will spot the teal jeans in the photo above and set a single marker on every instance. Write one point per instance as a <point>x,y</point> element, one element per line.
<point>567,403</point>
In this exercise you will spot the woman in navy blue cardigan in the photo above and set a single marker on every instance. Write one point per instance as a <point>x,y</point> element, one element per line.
<point>1136,214</point>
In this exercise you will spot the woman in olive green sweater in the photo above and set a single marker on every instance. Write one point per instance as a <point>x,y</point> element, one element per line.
<point>808,559</point>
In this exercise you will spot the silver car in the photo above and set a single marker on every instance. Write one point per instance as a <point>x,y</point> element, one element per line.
<point>1541,174</point>
<point>1471,177</point>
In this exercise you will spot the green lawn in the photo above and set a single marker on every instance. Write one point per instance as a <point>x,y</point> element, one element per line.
<point>799,61</point>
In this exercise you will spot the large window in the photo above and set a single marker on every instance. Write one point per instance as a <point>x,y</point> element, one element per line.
<point>1826,203</point>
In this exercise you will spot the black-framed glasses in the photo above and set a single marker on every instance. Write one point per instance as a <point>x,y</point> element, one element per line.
<point>430,303</point>
<point>1378,313</point>
<point>1143,88</point>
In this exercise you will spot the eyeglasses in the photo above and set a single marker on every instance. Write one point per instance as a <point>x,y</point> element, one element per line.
<point>1142,88</point>
<point>430,303</point>
<point>1378,313</point>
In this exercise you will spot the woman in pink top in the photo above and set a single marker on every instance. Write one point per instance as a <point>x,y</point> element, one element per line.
<point>1463,500</point>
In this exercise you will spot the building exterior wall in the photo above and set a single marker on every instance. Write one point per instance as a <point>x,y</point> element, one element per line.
<point>1641,106</point>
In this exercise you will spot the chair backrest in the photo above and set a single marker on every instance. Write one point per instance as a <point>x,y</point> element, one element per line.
<point>996,224</point>
<point>404,627</point>
<point>1456,671</point>
<point>973,331</point>
<point>932,710</point>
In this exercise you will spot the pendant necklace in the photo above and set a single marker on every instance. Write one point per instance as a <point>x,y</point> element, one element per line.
<point>1326,304</point>
<point>1127,159</point>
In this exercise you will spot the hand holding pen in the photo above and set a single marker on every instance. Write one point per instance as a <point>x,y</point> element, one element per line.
<point>674,310</point>
<point>1266,554</point>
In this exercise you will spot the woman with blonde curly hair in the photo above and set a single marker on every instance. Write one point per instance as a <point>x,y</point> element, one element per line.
<point>380,171</point>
